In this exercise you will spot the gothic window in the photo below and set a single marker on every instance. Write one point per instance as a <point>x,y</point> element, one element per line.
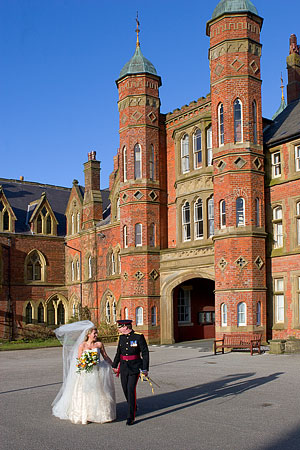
<point>184,306</point>
<point>210,217</point>
<point>138,234</point>
<point>153,316</point>
<point>152,164</point>
<point>50,313</point>
<point>118,209</point>
<point>5,221</point>
<point>72,271</point>
<point>238,121</point>
<point>60,314</point>
<point>78,222</point>
<point>221,124</point>
<point>78,270</point>
<point>198,218</point>
<point>241,314</point>
<point>119,261</point>
<point>126,313</point>
<point>90,267</point>
<point>186,222</point>
<point>125,236</point>
<point>276,165</point>
<point>114,311</point>
<point>258,314</point>
<point>137,162</point>
<point>185,157</point>
<point>298,222</point>
<point>72,224</point>
<point>240,212</point>
<point>257,212</point>
<point>41,313</point>
<point>39,224</point>
<point>125,163</point>
<point>139,320</point>
<point>297,158</point>
<point>113,264</point>
<point>4,218</point>
<point>209,146</point>
<point>277,227</point>
<point>224,315</point>
<point>152,235</point>
<point>197,149</point>
<point>222,214</point>
<point>48,225</point>
<point>28,313</point>
<point>34,267</point>
<point>254,119</point>
<point>279,300</point>
<point>107,310</point>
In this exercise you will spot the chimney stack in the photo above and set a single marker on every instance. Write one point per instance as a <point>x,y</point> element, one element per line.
<point>92,200</point>
<point>293,67</point>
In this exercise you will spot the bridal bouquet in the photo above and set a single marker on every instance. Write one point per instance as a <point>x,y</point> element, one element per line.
<point>87,361</point>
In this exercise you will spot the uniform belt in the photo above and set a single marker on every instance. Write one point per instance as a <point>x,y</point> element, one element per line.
<point>129,357</point>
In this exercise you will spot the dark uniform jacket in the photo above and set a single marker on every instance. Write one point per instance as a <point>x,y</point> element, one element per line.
<point>132,344</point>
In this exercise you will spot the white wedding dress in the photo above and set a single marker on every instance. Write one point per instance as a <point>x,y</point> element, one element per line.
<point>86,396</point>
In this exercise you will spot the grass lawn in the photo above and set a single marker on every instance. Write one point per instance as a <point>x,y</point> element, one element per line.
<point>36,343</point>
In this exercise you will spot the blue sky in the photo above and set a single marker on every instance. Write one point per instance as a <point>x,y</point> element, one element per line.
<point>60,60</point>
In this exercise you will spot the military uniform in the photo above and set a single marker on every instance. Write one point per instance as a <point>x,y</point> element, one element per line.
<point>129,351</point>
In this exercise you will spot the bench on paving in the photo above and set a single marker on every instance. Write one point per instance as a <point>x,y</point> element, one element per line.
<point>243,340</point>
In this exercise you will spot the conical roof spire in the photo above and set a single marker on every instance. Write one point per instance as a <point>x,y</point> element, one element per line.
<point>282,104</point>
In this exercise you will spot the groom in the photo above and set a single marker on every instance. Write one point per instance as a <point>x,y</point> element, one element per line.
<point>133,357</point>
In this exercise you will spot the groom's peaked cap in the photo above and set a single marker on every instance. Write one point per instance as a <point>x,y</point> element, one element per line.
<point>124,322</point>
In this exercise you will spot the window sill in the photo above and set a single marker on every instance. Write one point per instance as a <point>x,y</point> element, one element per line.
<point>187,324</point>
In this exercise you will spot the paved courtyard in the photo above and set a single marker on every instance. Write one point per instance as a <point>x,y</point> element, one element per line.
<point>232,401</point>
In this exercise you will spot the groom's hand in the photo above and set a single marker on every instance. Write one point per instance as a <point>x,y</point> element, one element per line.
<point>115,370</point>
<point>145,373</point>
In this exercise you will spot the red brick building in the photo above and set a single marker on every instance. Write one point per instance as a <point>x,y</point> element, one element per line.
<point>199,231</point>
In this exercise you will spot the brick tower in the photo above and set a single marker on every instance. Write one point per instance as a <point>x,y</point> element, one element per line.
<point>140,191</point>
<point>240,257</point>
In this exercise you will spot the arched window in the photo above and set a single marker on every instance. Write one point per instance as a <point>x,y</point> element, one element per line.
<point>48,225</point>
<point>186,222</point>
<point>137,162</point>
<point>78,222</point>
<point>279,300</point>
<point>209,155</point>
<point>41,313</point>
<point>151,163</point>
<point>125,236</point>
<point>34,267</point>
<point>90,267</point>
<point>210,217</point>
<point>224,315</point>
<point>221,123</point>
<point>258,313</point>
<point>185,157</point>
<point>72,271</point>
<point>78,270</point>
<point>119,261</point>
<point>254,119</point>
<point>298,225</point>
<point>240,212</point>
<point>153,316</point>
<point>125,313</point>
<point>28,312</point>
<point>139,320</point>
<point>50,313</point>
<point>238,121</point>
<point>114,311</point>
<point>257,212</point>
<point>118,209</point>
<point>198,218</point>
<point>152,235</point>
<point>277,227</point>
<point>39,224</point>
<point>113,264</point>
<point>222,214</point>
<point>107,310</point>
<point>197,149</point>
<point>184,306</point>
<point>5,221</point>
<point>125,163</point>
<point>72,224</point>
<point>60,314</point>
<point>138,234</point>
<point>241,314</point>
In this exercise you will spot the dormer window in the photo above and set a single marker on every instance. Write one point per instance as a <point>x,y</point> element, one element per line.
<point>4,218</point>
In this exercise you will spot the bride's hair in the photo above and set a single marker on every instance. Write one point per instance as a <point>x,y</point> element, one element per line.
<point>88,332</point>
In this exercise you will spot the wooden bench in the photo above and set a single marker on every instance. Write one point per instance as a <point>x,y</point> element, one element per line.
<point>242,340</point>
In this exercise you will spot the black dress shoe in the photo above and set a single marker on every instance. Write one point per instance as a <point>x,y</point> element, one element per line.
<point>129,422</point>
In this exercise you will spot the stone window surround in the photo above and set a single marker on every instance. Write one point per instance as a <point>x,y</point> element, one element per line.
<point>192,200</point>
<point>10,219</point>
<point>276,221</point>
<point>295,280</point>
<point>35,306</point>
<point>276,165</point>
<point>43,267</point>
<point>283,276</point>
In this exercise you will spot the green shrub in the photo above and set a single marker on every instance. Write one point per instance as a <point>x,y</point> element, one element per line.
<point>31,332</point>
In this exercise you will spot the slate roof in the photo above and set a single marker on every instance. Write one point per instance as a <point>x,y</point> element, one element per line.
<point>20,194</point>
<point>285,127</point>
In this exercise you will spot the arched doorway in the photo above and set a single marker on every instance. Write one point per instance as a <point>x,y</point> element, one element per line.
<point>194,310</point>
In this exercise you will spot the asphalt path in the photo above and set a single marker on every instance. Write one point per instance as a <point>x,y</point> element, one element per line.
<point>232,401</point>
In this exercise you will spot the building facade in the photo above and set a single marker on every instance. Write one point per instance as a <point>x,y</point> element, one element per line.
<point>199,232</point>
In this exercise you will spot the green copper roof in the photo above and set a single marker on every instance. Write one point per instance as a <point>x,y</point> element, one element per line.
<point>229,6</point>
<point>138,64</point>
<point>280,109</point>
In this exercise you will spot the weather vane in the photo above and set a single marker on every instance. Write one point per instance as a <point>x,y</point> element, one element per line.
<point>137,29</point>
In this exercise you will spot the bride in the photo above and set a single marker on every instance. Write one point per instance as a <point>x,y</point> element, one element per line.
<point>85,396</point>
